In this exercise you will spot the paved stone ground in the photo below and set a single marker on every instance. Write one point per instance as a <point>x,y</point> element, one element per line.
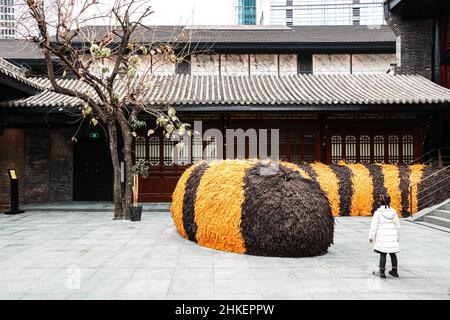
<point>79,255</point>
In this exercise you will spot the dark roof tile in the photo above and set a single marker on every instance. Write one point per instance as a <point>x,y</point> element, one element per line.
<point>19,49</point>
<point>268,90</point>
<point>255,34</point>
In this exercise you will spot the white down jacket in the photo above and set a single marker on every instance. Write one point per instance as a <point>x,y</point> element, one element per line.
<point>385,230</point>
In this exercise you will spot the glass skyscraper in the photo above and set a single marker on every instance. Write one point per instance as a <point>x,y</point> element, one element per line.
<point>245,12</point>
<point>7,20</point>
<point>325,12</point>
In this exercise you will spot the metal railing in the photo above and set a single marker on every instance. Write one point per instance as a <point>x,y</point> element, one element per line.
<point>434,156</point>
<point>432,191</point>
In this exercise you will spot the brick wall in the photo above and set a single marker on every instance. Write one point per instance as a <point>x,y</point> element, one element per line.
<point>414,45</point>
<point>61,165</point>
<point>37,166</point>
<point>12,156</point>
<point>43,159</point>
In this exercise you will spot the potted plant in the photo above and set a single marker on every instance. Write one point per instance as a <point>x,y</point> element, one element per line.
<point>140,169</point>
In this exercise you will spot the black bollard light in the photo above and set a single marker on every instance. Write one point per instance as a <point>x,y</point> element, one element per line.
<point>14,192</point>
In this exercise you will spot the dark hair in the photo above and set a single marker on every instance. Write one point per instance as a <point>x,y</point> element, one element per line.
<point>385,200</point>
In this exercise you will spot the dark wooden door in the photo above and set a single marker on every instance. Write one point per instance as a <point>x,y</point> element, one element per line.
<point>92,173</point>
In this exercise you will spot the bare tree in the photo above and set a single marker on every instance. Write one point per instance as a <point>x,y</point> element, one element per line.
<point>114,65</point>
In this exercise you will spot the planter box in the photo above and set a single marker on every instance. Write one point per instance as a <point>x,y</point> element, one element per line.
<point>135,213</point>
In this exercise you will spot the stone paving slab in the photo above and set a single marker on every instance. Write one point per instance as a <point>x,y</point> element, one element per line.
<point>69,254</point>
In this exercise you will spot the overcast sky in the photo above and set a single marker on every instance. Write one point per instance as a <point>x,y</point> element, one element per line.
<point>186,12</point>
<point>166,12</point>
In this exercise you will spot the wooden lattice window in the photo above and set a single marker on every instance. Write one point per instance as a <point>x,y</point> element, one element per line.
<point>210,149</point>
<point>408,148</point>
<point>350,149</point>
<point>153,151</point>
<point>197,149</point>
<point>168,146</point>
<point>378,149</point>
<point>364,149</point>
<point>309,147</point>
<point>283,146</point>
<point>139,148</point>
<point>393,149</point>
<point>296,149</point>
<point>336,149</point>
<point>182,152</point>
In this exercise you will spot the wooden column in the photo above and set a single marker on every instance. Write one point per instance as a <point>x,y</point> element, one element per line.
<point>323,140</point>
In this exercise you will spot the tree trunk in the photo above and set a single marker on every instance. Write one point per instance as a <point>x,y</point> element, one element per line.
<point>118,209</point>
<point>129,177</point>
<point>127,144</point>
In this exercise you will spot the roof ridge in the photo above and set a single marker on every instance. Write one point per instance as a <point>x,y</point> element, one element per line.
<point>17,73</point>
<point>12,67</point>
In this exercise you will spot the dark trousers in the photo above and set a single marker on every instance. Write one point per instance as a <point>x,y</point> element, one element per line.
<point>394,261</point>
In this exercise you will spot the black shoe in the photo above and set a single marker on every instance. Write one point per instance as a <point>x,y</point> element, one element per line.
<point>380,274</point>
<point>394,273</point>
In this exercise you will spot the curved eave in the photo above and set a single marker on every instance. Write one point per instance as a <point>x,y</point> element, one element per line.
<point>391,108</point>
<point>382,46</point>
<point>19,84</point>
<point>283,47</point>
<point>419,108</point>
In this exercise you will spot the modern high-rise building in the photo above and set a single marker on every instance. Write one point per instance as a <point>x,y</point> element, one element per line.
<point>7,19</point>
<point>245,12</point>
<point>324,12</point>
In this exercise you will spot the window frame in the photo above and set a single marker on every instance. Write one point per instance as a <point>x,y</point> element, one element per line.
<point>390,151</point>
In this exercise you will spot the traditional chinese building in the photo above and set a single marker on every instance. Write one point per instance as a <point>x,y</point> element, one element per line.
<point>335,93</point>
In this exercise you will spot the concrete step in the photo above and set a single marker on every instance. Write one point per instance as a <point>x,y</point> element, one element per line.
<point>75,206</point>
<point>447,207</point>
<point>443,222</point>
<point>441,213</point>
<point>434,226</point>
<point>148,210</point>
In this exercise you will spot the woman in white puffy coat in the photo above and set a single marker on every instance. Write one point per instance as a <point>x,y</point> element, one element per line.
<point>385,235</point>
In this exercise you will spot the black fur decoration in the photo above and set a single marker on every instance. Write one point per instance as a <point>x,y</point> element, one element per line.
<point>284,214</point>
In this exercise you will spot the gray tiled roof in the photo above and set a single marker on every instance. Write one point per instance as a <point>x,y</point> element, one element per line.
<point>269,90</point>
<point>19,49</point>
<point>18,74</point>
<point>258,34</point>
